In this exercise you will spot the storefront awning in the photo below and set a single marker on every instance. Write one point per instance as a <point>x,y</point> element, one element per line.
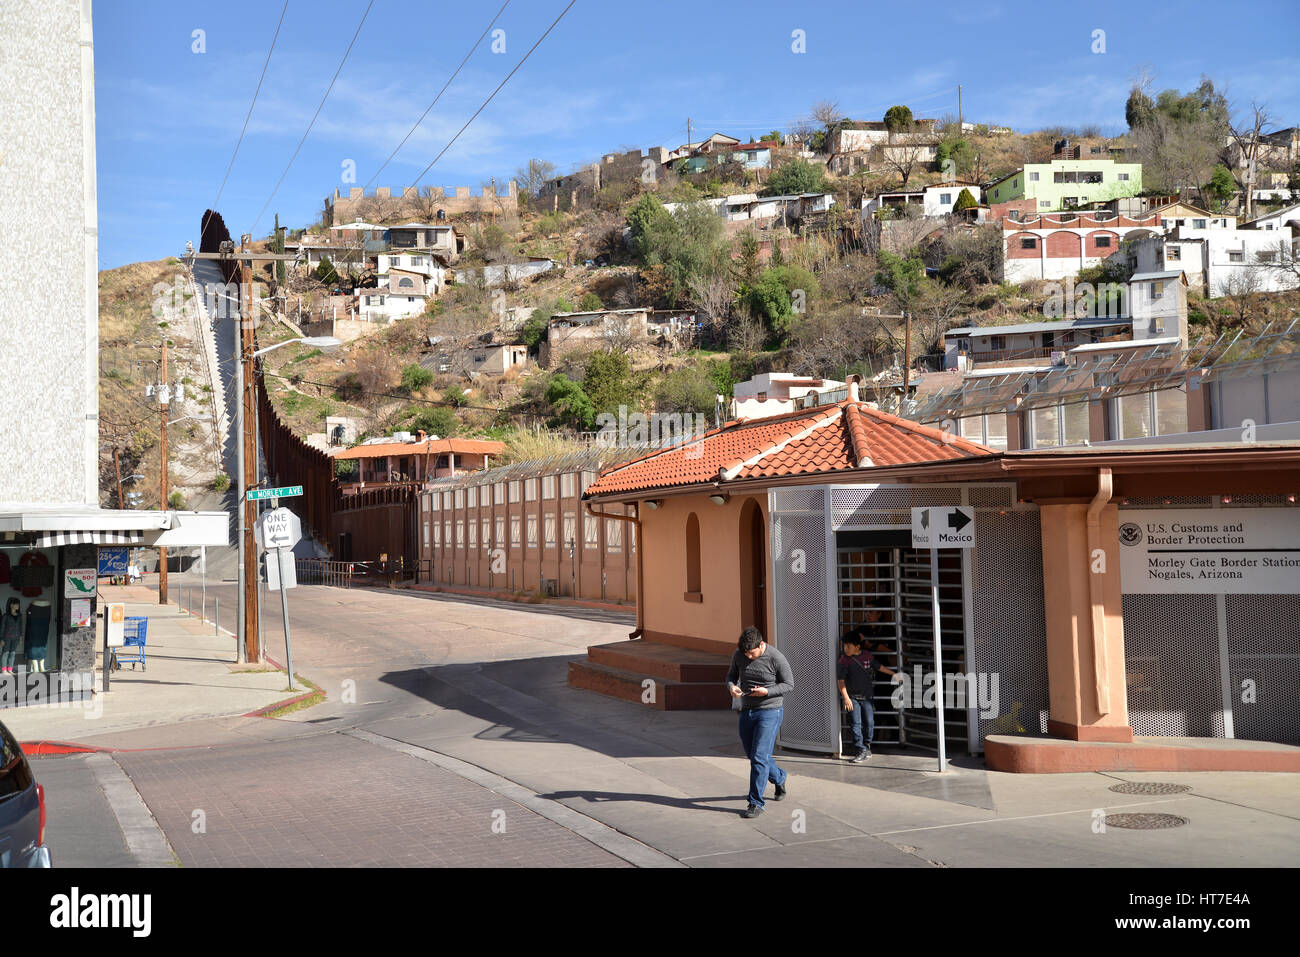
<point>51,539</point>
<point>82,524</point>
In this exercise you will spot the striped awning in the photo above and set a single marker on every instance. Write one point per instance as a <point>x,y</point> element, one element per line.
<point>101,537</point>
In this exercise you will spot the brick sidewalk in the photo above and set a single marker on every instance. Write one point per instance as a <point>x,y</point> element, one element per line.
<point>331,800</point>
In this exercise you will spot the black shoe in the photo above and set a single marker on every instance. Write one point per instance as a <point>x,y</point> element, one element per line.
<point>780,793</point>
<point>752,811</point>
<point>862,756</point>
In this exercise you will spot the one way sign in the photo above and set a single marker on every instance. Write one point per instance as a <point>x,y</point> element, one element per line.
<point>946,526</point>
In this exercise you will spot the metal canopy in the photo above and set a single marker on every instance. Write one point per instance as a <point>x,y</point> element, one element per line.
<point>1109,376</point>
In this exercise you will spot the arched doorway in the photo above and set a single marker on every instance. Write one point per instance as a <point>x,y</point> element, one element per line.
<point>753,567</point>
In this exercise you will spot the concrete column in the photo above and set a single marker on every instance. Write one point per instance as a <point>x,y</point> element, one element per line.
<point>1015,432</point>
<point>1083,667</point>
<point>1198,403</point>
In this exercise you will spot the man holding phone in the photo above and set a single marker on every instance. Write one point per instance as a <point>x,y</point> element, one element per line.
<point>759,678</point>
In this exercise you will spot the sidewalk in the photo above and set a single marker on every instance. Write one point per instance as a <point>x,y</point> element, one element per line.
<point>190,673</point>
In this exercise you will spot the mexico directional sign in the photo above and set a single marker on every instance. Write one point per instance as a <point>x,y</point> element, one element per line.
<point>946,526</point>
<point>288,491</point>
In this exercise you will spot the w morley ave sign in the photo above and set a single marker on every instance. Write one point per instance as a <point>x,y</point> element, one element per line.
<point>1239,551</point>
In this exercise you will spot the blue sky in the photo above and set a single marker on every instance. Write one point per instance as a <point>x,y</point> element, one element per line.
<point>612,75</point>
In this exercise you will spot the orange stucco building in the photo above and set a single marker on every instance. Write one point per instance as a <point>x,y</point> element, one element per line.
<point>800,523</point>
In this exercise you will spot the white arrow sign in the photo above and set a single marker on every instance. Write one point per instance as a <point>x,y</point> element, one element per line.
<point>278,528</point>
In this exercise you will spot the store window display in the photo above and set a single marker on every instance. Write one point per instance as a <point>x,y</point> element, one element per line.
<point>11,634</point>
<point>28,597</point>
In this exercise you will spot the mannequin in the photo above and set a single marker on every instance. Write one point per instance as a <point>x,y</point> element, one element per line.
<point>38,633</point>
<point>11,634</point>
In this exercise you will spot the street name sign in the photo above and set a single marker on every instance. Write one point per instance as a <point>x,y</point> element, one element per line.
<point>288,491</point>
<point>943,526</point>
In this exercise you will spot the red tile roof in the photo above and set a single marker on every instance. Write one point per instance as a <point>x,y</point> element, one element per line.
<point>833,438</point>
<point>434,446</point>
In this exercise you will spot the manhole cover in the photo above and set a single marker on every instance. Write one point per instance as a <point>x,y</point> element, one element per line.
<point>1149,787</point>
<point>1145,822</point>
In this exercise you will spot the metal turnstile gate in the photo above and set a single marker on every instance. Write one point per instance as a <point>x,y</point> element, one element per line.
<point>896,582</point>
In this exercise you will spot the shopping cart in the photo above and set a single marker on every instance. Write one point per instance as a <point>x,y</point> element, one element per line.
<point>134,630</point>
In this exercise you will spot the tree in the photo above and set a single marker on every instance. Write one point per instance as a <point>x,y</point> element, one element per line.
<point>905,152</point>
<point>795,177</point>
<point>570,402</point>
<point>773,137</point>
<point>903,277</point>
<point>955,157</point>
<point>608,381</point>
<point>455,396</point>
<point>533,175</point>
<point>1239,296</point>
<point>780,295</point>
<point>441,422</point>
<point>1179,137</point>
<point>1245,136</point>
<point>827,113</point>
<point>326,272</point>
<point>690,389</point>
<point>898,119</point>
<point>1140,109</point>
<point>964,201</point>
<point>712,295</point>
<point>415,377</point>
<point>1222,187</point>
<point>590,302</point>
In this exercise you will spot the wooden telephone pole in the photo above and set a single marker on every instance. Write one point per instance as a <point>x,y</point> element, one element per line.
<point>252,636</point>
<point>162,429</point>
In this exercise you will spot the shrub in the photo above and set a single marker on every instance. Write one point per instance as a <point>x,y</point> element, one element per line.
<point>590,303</point>
<point>415,377</point>
<point>176,500</point>
<point>221,483</point>
<point>441,422</point>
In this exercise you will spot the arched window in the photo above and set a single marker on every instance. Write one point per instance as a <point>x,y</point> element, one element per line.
<point>693,557</point>
<point>405,283</point>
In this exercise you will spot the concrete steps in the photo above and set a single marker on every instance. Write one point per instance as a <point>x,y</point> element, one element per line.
<point>655,674</point>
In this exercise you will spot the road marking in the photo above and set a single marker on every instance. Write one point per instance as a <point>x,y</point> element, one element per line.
<point>144,838</point>
<point>602,835</point>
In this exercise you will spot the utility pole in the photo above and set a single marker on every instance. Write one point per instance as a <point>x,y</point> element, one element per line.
<point>907,352</point>
<point>247,341</point>
<point>960,125</point>
<point>688,134</point>
<point>117,470</point>
<point>163,396</point>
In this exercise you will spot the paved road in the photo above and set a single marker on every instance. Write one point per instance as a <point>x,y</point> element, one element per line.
<point>450,736</point>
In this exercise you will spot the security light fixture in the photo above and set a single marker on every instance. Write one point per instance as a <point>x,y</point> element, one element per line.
<point>720,499</point>
<point>653,504</point>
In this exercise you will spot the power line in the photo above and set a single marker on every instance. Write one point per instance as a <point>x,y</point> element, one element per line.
<point>406,398</point>
<point>493,94</point>
<point>250,107</point>
<point>320,107</point>
<point>438,97</point>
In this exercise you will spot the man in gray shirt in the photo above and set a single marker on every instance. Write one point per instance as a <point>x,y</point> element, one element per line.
<point>760,677</point>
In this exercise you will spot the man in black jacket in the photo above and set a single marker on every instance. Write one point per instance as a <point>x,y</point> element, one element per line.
<point>760,677</point>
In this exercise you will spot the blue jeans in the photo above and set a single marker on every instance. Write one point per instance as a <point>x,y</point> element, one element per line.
<point>758,728</point>
<point>861,707</point>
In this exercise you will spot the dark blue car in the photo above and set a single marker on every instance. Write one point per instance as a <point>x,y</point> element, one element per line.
<point>22,809</point>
